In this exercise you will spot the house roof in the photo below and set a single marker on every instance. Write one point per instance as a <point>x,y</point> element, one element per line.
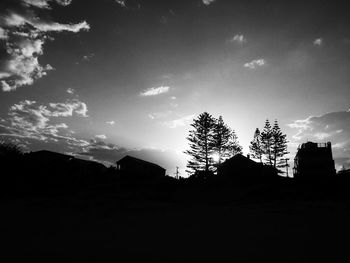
<point>241,163</point>
<point>46,153</point>
<point>239,159</point>
<point>137,160</point>
<point>65,157</point>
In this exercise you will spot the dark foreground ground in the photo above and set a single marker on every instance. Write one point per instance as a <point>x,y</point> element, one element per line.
<point>87,228</point>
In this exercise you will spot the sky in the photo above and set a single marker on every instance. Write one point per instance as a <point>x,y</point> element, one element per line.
<point>102,79</point>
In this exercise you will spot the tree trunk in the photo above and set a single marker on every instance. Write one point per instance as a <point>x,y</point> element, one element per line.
<point>206,156</point>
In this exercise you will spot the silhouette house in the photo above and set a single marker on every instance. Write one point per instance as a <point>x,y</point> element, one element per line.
<point>57,162</point>
<point>48,156</point>
<point>314,160</point>
<point>242,168</point>
<point>134,166</point>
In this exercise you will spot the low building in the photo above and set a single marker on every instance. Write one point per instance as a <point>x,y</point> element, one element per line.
<point>313,161</point>
<point>242,168</point>
<point>62,163</point>
<point>134,166</point>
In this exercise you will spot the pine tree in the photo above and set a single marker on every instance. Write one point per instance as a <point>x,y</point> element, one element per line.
<point>255,147</point>
<point>222,140</point>
<point>267,142</point>
<point>201,143</point>
<point>279,146</point>
<point>235,147</point>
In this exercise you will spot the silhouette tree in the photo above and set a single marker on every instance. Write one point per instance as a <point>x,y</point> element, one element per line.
<point>235,147</point>
<point>9,150</point>
<point>255,147</point>
<point>267,142</point>
<point>279,146</point>
<point>201,143</point>
<point>222,140</point>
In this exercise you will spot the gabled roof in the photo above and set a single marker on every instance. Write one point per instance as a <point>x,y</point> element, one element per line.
<point>134,159</point>
<point>60,156</point>
<point>240,160</point>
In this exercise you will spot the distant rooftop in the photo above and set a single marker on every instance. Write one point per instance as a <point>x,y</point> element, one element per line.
<point>313,145</point>
<point>50,153</point>
<point>128,157</point>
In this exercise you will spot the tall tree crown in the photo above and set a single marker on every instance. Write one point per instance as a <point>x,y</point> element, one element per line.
<point>200,142</point>
<point>211,141</point>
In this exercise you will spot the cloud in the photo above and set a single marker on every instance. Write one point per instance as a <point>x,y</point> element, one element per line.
<point>240,39</point>
<point>155,91</point>
<point>5,86</point>
<point>25,34</point>
<point>110,122</point>
<point>179,122</point>
<point>88,57</point>
<point>208,2</point>
<point>71,91</point>
<point>3,33</point>
<point>333,127</point>
<point>255,63</point>
<point>157,115</point>
<point>318,42</point>
<point>45,4</point>
<point>65,109</point>
<point>102,151</point>
<point>121,3</point>
<point>101,136</point>
<point>28,119</point>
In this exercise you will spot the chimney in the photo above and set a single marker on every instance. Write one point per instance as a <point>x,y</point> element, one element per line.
<point>248,156</point>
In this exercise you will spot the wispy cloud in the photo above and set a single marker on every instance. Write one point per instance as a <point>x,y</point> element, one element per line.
<point>70,91</point>
<point>318,42</point>
<point>110,122</point>
<point>65,109</point>
<point>208,2</point>
<point>28,119</point>
<point>121,3</point>
<point>255,63</point>
<point>240,39</point>
<point>179,122</point>
<point>101,136</point>
<point>25,34</point>
<point>158,115</point>
<point>3,34</point>
<point>155,91</point>
<point>88,57</point>
<point>45,4</point>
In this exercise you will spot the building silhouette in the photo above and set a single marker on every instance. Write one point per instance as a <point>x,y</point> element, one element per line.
<point>58,163</point>
<point>242,168</point>
<point>134,166</point>
<point>314,161</point>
